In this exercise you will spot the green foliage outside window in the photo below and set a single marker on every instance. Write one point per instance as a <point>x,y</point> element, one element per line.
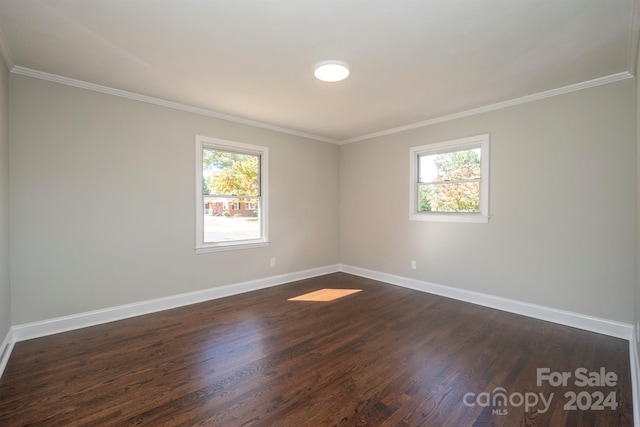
<point>456,185</point>
<point>231,174</point>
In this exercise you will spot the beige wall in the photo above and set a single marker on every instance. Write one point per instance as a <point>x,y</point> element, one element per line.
<point>562,205</point>
<point>103,202</point>
<point>5,288</point>
<point>637,110</point>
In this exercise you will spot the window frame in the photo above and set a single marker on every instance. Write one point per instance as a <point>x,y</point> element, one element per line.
<point>203,142</point>
<point>460,144</point>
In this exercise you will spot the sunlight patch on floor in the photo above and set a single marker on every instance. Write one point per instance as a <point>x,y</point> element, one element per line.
<point>325,295</point>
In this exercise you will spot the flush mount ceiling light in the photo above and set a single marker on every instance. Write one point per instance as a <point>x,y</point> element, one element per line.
<point>331,71</point>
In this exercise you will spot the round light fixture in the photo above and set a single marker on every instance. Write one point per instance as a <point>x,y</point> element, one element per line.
<point>331,71</point>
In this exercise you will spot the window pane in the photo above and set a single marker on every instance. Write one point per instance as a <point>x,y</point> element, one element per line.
<point>228,219</point>
<point>227,173</point>
<point>449,197</point>
<point>452,166</point>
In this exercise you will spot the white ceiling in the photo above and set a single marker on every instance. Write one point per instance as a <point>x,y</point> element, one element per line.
<point>251,60</point>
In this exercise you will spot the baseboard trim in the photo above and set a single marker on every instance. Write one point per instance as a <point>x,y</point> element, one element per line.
<point>589,323</point>
<point>567,318</point>
<point>38,329</point>
<point>634,359</point>
<point>82,320</point>
<point>5,350</point>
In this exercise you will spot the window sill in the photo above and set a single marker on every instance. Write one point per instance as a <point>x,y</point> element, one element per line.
<point>230,247</point>
<point>473,218</point>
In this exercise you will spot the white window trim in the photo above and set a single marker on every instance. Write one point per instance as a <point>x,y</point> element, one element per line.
<point>481,141</point>
<point>220,144</point>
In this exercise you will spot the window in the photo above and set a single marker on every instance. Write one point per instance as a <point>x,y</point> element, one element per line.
<point>450,180</point>
<point>229,176</point>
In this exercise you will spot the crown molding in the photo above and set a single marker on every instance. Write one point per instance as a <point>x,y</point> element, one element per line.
<point>235,119</point>
<point>510,103</point>
<point>161,102</point>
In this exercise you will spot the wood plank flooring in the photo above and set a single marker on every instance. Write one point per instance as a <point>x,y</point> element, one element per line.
<point>386,356</point>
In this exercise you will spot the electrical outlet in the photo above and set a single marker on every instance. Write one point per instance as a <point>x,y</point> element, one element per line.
<point>414,265</point>
<point>272,262</point>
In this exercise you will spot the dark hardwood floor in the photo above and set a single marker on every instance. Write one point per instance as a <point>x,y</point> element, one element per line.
<point>386,356</point>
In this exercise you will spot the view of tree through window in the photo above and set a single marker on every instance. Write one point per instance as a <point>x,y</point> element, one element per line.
<point>231,195</point>
<point>449,182</point>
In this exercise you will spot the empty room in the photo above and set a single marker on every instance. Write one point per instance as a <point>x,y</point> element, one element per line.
<point>319,213</point>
